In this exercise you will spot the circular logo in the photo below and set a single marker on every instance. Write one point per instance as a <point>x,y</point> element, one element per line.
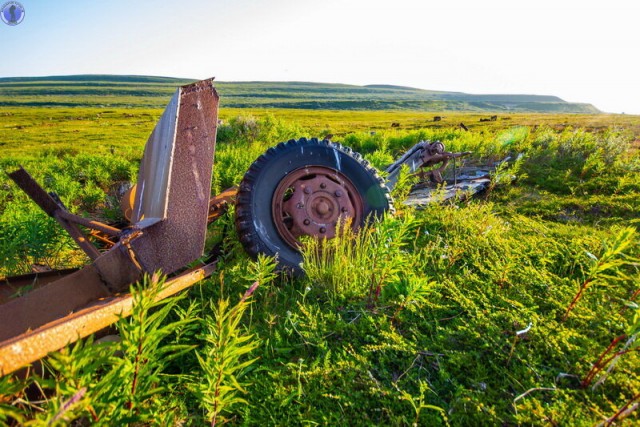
<point>12,13</point>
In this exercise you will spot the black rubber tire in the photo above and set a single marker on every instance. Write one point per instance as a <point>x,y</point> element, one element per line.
<point>254,220</point>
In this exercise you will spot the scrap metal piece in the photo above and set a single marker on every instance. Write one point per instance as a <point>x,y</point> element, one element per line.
<point>184,204</point>
<point>424,154</point>
<point>169,232</point>
<point>23,349</point>
<point>218,204</point>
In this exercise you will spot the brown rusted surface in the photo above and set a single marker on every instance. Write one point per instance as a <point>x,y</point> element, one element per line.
<point>11,287</point>
<point>49,302</point>
<point>23,349</point>
<point>217,205</point>
<point>106,241</point>
<point>179,239</point>
<point>111,273</point>
<point>310,201</point>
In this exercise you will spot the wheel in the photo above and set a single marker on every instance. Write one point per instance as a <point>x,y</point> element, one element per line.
<point>302,188</point>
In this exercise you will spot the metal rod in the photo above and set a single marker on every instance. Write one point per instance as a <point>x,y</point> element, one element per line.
<point>89,223</point>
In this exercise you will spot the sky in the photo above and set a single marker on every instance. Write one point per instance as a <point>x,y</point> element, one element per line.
<point>580,50</point>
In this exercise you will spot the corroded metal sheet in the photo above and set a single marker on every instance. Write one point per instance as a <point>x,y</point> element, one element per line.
<point>179,239</point>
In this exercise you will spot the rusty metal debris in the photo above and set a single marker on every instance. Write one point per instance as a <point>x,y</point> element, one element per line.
<point>425,154</point>
<point>438,183</point>
<point>170,210</point>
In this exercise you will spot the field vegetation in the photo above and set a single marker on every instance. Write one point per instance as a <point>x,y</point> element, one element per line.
<point>125,91</point>
<point>519,307</point>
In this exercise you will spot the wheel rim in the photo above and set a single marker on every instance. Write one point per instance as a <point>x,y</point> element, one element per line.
<point>310,201</point>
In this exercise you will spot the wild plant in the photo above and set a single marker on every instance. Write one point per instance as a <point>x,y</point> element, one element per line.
<point>610,356</point>
<point>609,267</point>
<point>419,403</point>
<point>362,262</point>
<point>404,184</point>
<point>132,391</point>
<point>223,361</point>
<point>11,399</point>
<point>117,382</point>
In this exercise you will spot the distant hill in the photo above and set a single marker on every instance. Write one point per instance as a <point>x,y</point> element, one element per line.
<point>149,91</point>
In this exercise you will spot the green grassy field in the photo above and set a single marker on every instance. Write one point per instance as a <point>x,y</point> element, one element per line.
<point>508,309</point>
<point>125,91</point>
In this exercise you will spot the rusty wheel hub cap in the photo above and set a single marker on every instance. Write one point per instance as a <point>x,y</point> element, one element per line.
<point>310,201</point>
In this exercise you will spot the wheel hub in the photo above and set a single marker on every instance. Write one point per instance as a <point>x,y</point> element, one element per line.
<point>310,201</point>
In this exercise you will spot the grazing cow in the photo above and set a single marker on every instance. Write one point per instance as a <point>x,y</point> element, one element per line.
<point>437,118</point>
<point>494,118</point>
<point>485,120</point>
<point>395,125</point>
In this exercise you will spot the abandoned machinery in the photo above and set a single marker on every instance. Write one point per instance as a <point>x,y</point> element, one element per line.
<point>297,188</point>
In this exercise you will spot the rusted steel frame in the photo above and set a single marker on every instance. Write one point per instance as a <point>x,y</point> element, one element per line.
<point>433,154</point>
<point>170,221</point>
<point>218,204</point>
<point>33,345</point>
<point>89,223</point>
<point>111,273</point>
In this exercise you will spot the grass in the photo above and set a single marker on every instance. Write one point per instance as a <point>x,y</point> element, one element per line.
<point>506,309</point>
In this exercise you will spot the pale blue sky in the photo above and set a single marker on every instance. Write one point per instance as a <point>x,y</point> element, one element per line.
<point>582,51</point>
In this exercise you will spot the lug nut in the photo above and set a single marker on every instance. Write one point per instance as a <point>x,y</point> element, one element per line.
<point>306,221</point>
<point>307,190</point>
<point>344,210</point>
<point>323,230</point>
<point>338,193</point>
<point>323,185</point>
<point>300,206</point>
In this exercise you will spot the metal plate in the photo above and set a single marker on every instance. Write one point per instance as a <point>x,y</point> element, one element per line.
<point>179,239</point>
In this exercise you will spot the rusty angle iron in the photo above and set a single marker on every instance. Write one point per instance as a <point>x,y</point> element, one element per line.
<point>171,210</point>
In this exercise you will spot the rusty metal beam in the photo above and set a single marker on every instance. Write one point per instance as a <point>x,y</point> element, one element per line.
<point>48,204</point>
<point>89,223</point>
<point>21,350</point>
<point>111,273</point>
